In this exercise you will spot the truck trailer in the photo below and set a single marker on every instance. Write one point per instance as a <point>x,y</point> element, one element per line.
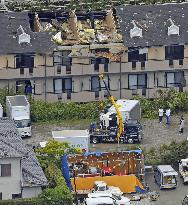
<point>76,138</point>
<point>18,109</point>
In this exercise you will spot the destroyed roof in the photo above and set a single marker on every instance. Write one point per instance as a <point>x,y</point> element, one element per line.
<point>154,21</point>
<point>11,145</point>
<point>9,34</point>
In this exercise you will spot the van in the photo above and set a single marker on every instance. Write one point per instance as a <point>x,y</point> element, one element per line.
<point>100,201</point>
<point>165,177</point>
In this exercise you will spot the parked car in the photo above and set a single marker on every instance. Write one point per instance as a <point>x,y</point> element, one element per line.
<point>100,201</point>
<point>120,200</point>
<point>102,187</point>
<point>165,177</point>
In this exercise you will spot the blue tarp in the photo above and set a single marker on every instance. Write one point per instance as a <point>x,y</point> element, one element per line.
<point>65,171</point>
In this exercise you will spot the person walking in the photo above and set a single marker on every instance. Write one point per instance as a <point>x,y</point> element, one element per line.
<point>161,112</point>
<point>182,123</point>
<point>167,113</point>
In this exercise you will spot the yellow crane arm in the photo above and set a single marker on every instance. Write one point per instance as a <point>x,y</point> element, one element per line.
<point>120,119</point>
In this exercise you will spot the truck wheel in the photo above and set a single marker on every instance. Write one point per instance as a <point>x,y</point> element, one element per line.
<point>95,140</point>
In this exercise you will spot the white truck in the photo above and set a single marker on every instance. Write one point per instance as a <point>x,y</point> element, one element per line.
<point>76,138</point>
<point>18,109</point>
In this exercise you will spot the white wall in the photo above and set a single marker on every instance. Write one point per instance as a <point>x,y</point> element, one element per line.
<point>29,192</point>
<point>11,185</point>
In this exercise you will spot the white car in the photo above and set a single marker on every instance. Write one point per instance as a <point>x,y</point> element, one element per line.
<point>99,201</point>
<point>119,200</point>
<point>102,187</point>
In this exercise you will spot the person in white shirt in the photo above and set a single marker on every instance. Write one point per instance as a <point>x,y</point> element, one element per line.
<point>167,113</point>
<point>161,112</point>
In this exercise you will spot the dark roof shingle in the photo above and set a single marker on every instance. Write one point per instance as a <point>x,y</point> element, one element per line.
<point>154,22</point>
<point>10,22</point>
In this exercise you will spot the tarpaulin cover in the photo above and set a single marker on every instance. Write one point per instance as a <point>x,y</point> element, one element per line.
<point>127,183</point>
<point>65,171</point>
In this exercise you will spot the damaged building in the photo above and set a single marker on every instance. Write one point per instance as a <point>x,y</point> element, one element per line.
<point>139,49</point>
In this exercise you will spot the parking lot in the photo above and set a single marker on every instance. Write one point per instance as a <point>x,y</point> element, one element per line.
<point>155,134</point>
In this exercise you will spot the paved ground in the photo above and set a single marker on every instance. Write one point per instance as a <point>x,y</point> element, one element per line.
<point>155,134</point>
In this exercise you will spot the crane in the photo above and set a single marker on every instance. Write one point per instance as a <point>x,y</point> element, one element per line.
<point>111,98</point>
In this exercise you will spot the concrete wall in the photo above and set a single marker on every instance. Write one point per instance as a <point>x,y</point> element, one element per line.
<point>11,185</point>
<point>29,192</point>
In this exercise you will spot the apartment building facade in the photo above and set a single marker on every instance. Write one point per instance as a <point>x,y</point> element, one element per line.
<point>139,49</point>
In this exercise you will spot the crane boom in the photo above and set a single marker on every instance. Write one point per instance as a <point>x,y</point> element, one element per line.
<point>111,98</point>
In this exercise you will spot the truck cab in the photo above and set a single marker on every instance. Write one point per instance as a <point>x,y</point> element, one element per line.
<point>165,177</point>
<point>133,131</point>
<point>18,109</point>
<point>183,169</point>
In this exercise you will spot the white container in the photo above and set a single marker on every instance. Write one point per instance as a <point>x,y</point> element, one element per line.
<point>76,138</point>
<point>130,109</point>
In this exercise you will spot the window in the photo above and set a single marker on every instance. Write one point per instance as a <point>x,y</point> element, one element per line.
<point>174,52</point>
<point>24,86</point>
<point>137,81</point>
<point>95,84</point>
<point>5,170</point>
<point>63,85</point>
<point>174,79</point>
<point>62,58</point>
<point>16,196</point>
<point>97,61</point>
<point>133,55</point>
<point>24,61</point>
<point>101,59</point>
<point>57,58</point>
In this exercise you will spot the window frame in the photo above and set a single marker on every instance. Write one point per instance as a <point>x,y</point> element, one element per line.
<point>174,52</point>
<point>5,173</point>
<point>136,85</point>
<point>25,56</point>
<point>63,82</point>
<point>175,84</point>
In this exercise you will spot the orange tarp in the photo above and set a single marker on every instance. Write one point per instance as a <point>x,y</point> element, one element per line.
<point>126,183</point>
